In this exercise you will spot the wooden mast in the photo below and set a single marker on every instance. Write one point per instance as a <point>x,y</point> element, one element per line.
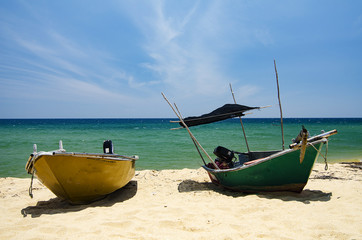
<point>280,105</point>
<point>241,122</point>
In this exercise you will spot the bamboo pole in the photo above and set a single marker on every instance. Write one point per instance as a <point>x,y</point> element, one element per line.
<point>193,139</point>
<point>315,138</point>
<point>280,105</point>
<point>188,130</point>
<point>241,122</point>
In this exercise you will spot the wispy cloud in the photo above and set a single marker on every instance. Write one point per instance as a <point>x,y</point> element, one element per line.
<point>57,61</point>
<point>183,61</point>
<point>182,57</point>
<point>188,49</point>
<point>129,51</point>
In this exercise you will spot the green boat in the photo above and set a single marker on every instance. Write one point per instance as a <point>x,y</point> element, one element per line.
<point>282,170</point>
<point>270,171</point>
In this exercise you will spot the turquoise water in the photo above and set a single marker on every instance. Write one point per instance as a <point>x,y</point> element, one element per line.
<point>160,148</point>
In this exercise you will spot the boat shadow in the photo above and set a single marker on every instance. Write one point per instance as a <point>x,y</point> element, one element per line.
<point>57,205</point>
<point>306,196</point>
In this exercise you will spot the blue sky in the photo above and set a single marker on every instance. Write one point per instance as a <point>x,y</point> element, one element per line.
<point>112,59</point>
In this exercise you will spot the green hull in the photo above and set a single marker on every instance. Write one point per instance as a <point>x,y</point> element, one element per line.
<point>279,172</point>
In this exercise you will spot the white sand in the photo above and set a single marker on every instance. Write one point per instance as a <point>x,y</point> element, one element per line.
<point>183,204</point>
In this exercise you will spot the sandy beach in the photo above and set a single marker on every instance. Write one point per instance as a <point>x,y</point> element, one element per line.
<point>183,204</point>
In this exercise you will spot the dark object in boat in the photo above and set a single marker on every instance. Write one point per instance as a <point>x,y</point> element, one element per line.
<point>224,154</point>
<point>108,147</point>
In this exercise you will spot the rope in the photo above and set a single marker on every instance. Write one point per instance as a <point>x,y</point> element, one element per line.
<point>31,186</point>
<point>324,156</point>
<point>325,160</point>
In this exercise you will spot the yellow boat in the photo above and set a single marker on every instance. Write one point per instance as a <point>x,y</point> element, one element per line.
<point>81,177</point>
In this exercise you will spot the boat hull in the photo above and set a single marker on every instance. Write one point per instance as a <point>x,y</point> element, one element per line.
<point>83,178</point>
<point>279,172</point>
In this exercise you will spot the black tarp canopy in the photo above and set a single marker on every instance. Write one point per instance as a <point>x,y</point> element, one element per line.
<point>225,112</point>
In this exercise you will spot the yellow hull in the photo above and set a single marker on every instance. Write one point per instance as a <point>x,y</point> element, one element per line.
<point>82,178</point>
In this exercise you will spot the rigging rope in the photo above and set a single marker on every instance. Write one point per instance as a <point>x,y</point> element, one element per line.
<point>31,186</point>
<point>324,156</point>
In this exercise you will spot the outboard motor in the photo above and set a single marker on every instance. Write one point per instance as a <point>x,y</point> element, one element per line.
<point>224,154</point>
<point>108,147</point>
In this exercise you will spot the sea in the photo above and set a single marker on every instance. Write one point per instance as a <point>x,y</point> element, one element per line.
<point>160,146</point>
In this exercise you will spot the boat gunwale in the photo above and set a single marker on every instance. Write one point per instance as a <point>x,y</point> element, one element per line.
<point>34,157</point>
<point>94,155</point>
<point>261,160</point>
<point>98,155</point>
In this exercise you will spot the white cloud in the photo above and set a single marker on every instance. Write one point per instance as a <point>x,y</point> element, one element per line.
<point>185,51</point>
<point>191,50</point>
<point>57,60</point>
<point>179,51</point>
